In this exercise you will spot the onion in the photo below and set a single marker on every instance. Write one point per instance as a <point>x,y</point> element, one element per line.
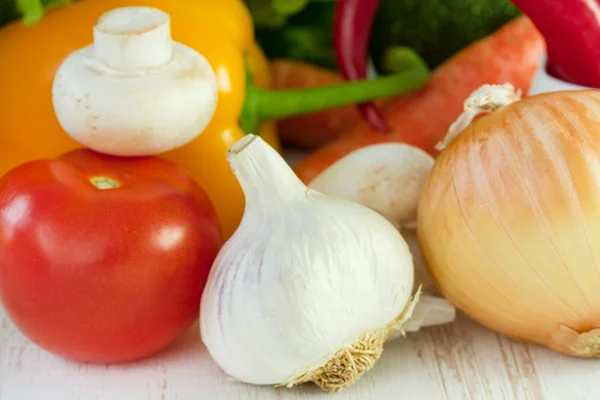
<point>509,218</point>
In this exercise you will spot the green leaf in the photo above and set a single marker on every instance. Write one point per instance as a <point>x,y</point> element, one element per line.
<point>306,35</point>
<point>268,18</point>
<point>401,58</point>
<point>32,11</point>
<point>289,7</point>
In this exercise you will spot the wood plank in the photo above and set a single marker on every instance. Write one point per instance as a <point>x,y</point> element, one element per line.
<point>458,361</point>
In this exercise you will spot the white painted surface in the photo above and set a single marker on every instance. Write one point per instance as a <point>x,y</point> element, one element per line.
<point>459,361</point>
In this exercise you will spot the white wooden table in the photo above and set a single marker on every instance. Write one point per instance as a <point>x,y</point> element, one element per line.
<point>458,361</point>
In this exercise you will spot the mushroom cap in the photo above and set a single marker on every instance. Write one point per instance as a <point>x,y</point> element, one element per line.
<point>134,92</point>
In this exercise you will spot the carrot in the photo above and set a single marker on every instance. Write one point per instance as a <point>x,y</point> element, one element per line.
<point>313,130</point>
<point>421,119</point>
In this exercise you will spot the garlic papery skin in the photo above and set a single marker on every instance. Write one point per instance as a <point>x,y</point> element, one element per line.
<point>386,177</point>
<point>429,311</point>
<point>134,91</point>
<point>309,286</point>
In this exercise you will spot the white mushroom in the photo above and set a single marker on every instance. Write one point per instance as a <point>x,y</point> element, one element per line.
<point>134,91</point>
<point>386,177</point>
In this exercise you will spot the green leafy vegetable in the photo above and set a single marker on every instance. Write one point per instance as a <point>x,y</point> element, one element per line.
<point>31,11</point>
<point>289,7</point>
<point>272,14</point>
<point>305,35</point>
<point>435,29</point>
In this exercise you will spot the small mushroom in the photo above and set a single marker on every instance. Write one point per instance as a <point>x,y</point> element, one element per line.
<point>134,91</point>
<point>386,177</point>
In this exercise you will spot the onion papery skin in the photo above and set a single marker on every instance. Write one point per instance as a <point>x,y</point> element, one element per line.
<point>509,221</point>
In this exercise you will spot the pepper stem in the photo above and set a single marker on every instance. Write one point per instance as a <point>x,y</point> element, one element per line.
<point>264,105</point>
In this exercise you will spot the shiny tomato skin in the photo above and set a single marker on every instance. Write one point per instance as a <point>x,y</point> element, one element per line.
<point>107,275</point>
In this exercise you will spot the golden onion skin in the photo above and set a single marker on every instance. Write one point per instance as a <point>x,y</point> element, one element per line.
<point>509,221</point>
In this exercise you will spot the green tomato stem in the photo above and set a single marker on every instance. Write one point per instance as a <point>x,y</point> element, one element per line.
<point>104,183</point>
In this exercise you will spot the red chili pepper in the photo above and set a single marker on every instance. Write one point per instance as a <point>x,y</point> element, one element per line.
<point>352,28</point>
<point>571,29</point>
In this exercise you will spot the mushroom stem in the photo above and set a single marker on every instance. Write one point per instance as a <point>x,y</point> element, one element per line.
<point>133,38</point>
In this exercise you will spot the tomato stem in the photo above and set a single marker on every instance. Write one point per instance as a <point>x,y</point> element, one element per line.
<point>103,183</point>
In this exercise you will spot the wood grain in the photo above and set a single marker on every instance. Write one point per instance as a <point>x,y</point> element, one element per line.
<point>458,361</point>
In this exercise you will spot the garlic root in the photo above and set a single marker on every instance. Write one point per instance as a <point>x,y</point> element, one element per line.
<point>350,363</point>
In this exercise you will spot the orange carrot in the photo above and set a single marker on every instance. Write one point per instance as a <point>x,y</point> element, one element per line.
<point>316,129</point>
<point>511,54</point>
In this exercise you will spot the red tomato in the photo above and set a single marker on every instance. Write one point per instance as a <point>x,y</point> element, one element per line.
<point>104,259</point>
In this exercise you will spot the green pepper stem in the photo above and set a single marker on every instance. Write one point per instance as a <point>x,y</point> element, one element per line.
<point>285,103</point>
<point>265,105</point>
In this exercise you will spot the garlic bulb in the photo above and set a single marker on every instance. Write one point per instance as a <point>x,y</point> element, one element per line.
<point>387,177</point>
<point>309,286</point>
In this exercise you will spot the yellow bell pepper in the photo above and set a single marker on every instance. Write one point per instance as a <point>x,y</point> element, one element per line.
<point>222,32</point>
